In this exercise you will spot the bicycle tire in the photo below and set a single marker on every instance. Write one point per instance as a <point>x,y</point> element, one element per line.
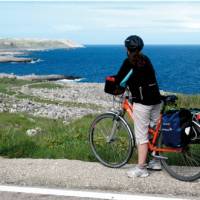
<point>111,152</point>
<point>184,166</point>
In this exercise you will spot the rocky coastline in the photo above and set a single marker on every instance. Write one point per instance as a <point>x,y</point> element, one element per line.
<point>35,44</point>
<point>72,101</point>
<point>11,49</point>
<point>5,59</point>
<point>34,77</point>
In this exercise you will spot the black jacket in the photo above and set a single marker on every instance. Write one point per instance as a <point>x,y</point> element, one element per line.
<point>142,83</point>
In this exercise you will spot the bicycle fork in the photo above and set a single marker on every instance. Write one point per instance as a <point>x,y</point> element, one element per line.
<point>111,137</point>
<point>115,126</point>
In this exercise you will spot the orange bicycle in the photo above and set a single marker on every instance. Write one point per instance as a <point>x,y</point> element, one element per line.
<point>112,141</point>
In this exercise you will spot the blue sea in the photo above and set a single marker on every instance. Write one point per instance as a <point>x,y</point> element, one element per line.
<point>177,67</point>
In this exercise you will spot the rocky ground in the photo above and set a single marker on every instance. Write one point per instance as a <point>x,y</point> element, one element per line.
<point>72,101</point>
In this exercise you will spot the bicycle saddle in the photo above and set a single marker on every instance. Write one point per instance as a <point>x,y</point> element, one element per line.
<point>169,99</point>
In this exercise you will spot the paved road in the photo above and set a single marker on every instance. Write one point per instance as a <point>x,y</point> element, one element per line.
<point>24,193</point>
<point>20,196</point>
<point>72,174</point>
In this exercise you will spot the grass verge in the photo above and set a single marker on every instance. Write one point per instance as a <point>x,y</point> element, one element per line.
<point>188,101</point>
<point>56,139</point>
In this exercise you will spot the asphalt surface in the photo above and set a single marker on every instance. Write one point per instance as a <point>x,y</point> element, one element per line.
<point>73,174</point>
<point>20,196</point>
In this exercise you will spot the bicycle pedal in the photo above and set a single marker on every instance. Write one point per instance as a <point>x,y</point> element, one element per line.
<point>160,157</point>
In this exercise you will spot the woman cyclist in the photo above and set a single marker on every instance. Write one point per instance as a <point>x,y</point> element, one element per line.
<point>146,99</point>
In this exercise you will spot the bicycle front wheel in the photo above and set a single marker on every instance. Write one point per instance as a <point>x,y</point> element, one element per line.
<point>183,165</point>
<point>111,140</point>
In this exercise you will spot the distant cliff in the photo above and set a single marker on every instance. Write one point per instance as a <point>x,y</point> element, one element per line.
<point>36,44</point>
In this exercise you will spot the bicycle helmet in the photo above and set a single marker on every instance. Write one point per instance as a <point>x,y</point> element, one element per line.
<point>133,43</point>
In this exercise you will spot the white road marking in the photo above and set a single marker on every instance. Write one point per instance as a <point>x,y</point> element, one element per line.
<point>78,193</point>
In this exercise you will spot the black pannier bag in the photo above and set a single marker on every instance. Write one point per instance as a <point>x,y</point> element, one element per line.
<point>176,125</point>
<point>111,87</point>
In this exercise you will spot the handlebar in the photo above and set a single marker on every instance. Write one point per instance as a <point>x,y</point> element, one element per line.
<point>165,99</point>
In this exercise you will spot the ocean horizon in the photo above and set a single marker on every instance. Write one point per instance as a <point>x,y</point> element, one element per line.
<point>177,66</point>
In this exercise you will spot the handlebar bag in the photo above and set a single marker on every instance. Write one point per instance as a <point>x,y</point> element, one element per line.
<point>174,128</point>
<point>112,87</point>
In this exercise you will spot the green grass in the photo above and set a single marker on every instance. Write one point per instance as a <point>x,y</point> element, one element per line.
<point>6,84</point>
<point>55,141</point>
<point>188,101</point>
<point>46,85</point>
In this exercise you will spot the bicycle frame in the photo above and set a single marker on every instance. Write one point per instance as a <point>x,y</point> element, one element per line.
<point>128,108</point>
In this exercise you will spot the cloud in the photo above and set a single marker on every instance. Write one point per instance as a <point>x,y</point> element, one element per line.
<point>107,21</point>
<point>62,28</point>
<point>193,25</point>
<point>152,17</point>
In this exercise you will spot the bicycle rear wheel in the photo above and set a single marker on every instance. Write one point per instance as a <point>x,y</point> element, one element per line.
<point>111,140</point>
<point>184,165</point>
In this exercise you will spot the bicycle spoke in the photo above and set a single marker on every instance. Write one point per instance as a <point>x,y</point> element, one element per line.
<point>194,159</point>
<point>104,130</point>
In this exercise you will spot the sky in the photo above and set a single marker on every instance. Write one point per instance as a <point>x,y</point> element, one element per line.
<point>102,22</point>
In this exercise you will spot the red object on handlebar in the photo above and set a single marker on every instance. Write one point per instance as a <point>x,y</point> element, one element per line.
<point>110,78</point>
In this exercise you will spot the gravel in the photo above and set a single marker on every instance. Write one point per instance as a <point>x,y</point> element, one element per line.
<point>74,174</point>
